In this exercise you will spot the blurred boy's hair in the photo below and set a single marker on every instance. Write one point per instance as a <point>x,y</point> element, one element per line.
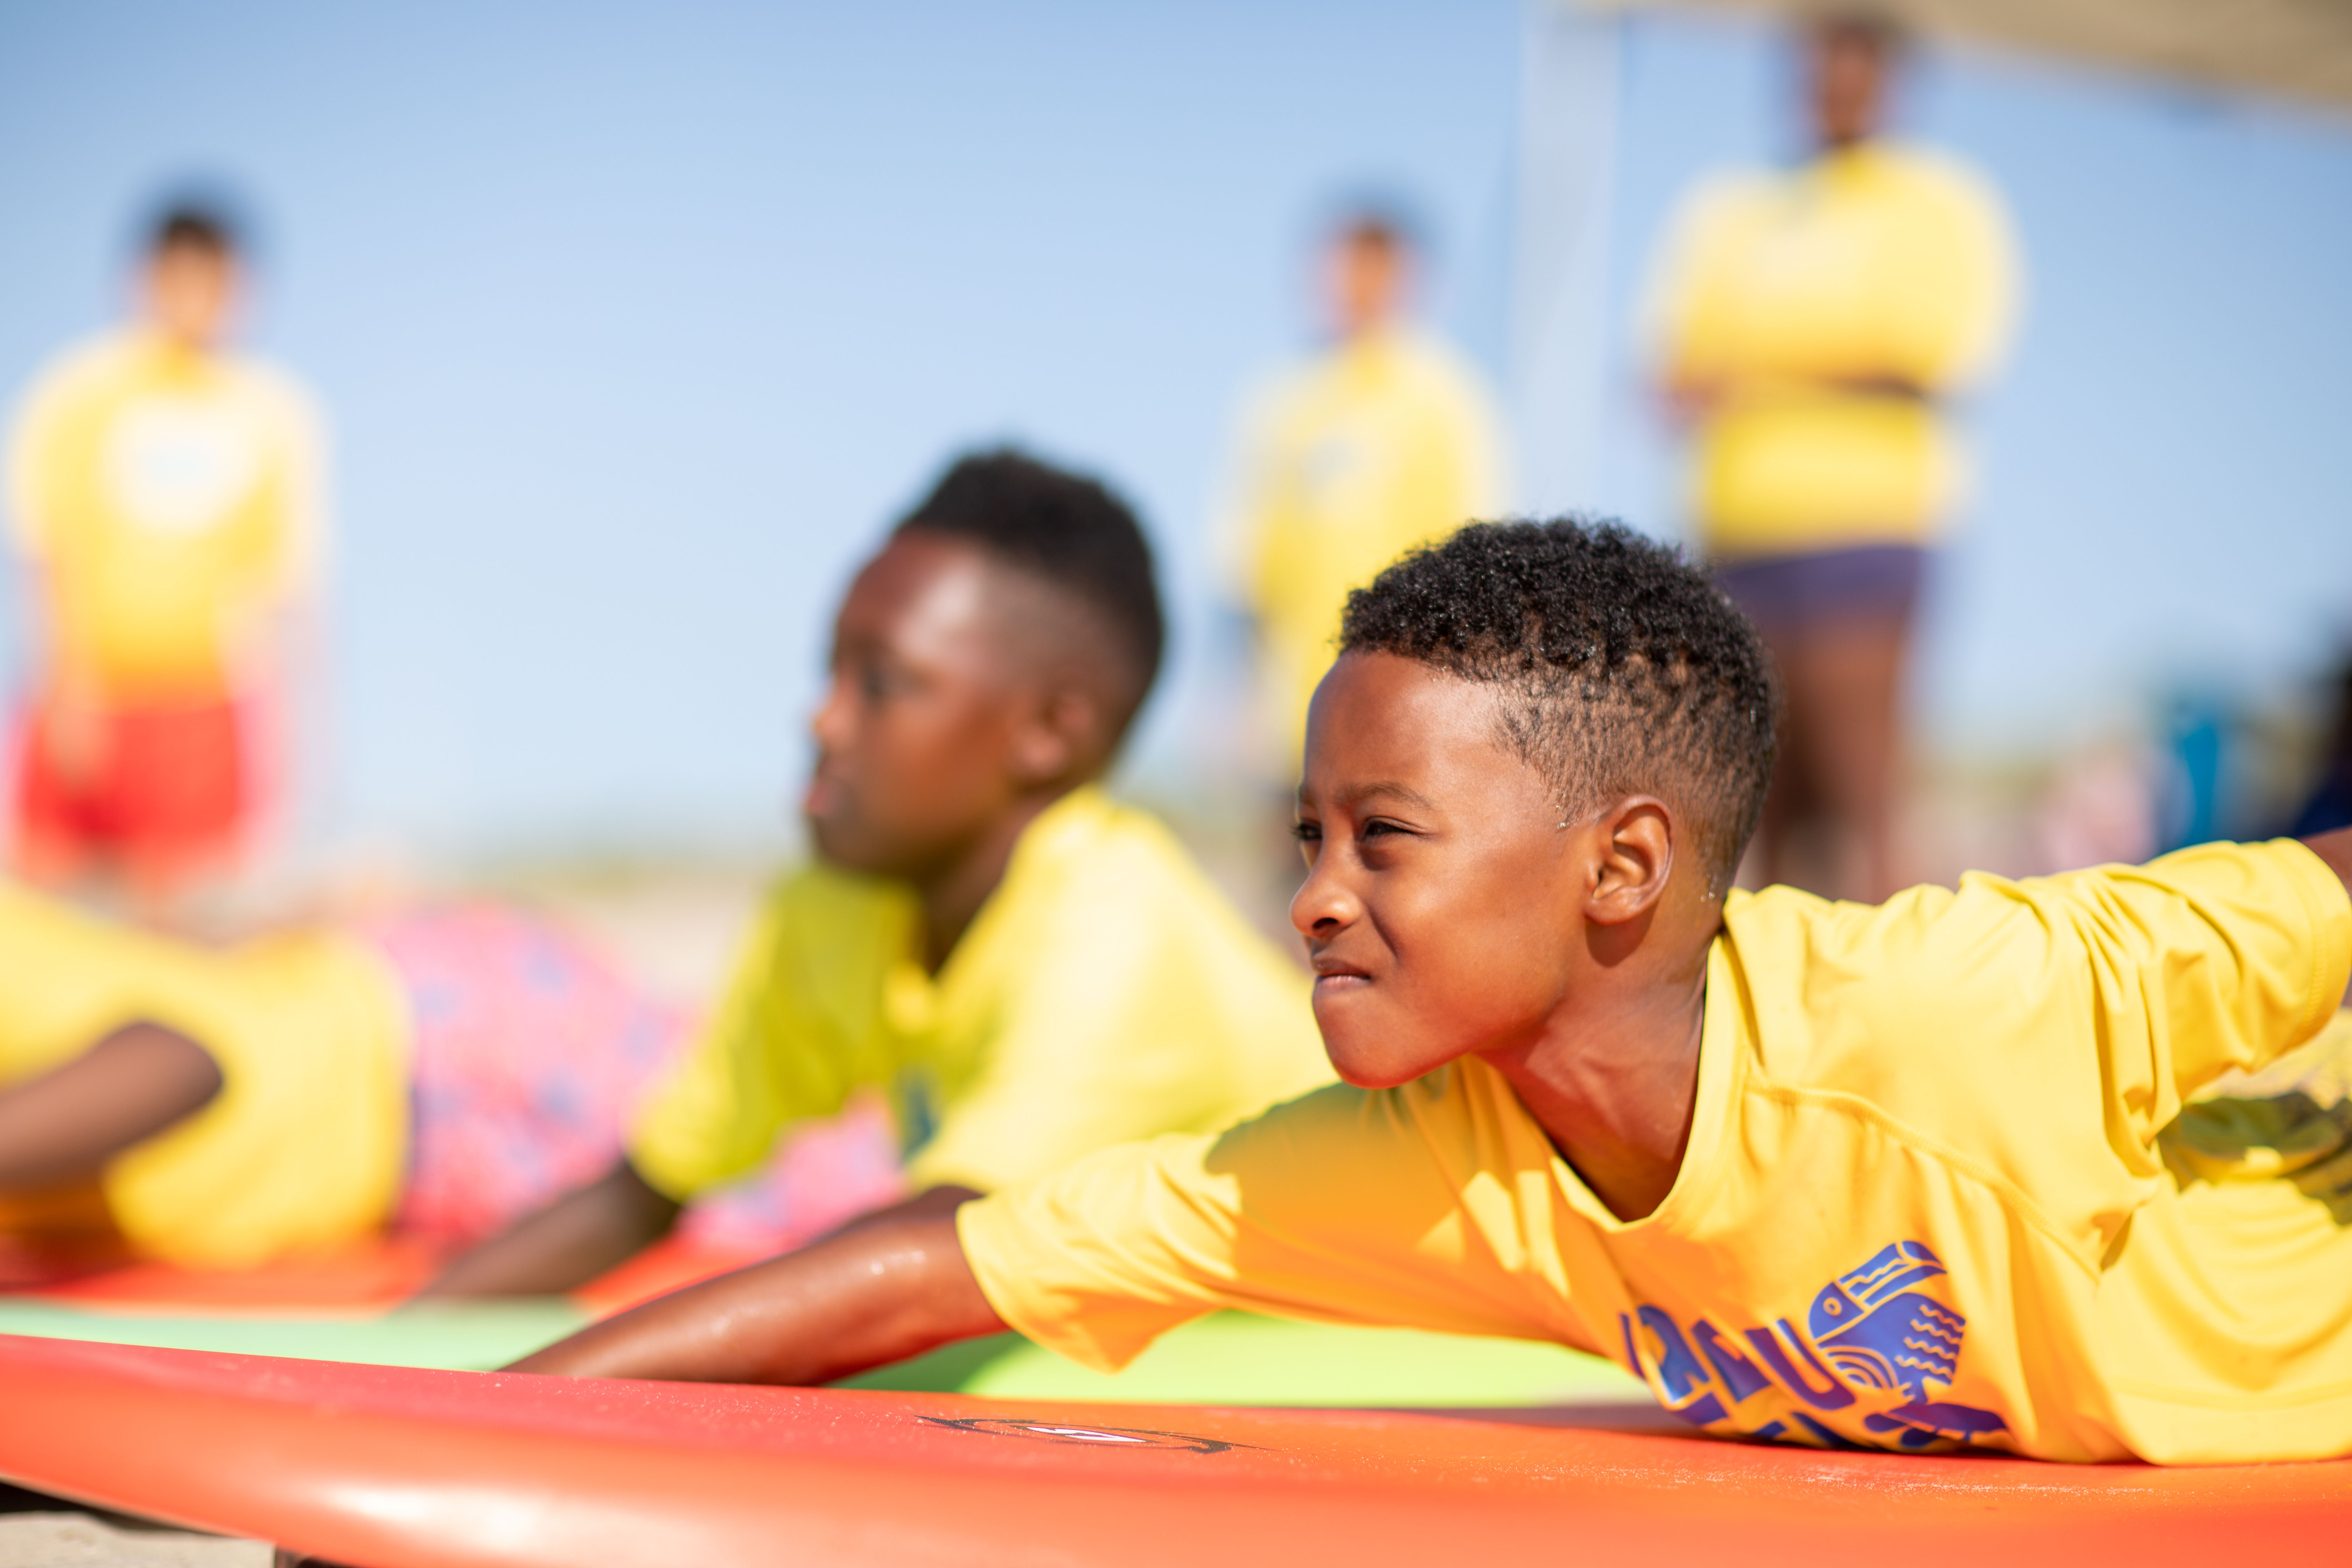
<point>1377,221</point>
<point>187,224</point>
<point>1879,35</point>
<point>1071,533</point>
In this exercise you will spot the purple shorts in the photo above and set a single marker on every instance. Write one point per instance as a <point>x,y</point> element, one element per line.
<point>1793,593</point>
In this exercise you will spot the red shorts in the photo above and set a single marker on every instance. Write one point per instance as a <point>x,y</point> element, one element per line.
<point>167,794</point>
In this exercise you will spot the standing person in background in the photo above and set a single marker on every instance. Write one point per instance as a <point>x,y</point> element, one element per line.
<point>165,498</point>
<point>1812,322</point>
<point>1383,441</point>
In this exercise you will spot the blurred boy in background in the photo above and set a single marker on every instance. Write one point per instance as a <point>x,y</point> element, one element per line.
<point>1384,440</point>
<point>1027,970</point>
<point>165,496</point>
<point>438,1073</point>
<point>1811,323</point>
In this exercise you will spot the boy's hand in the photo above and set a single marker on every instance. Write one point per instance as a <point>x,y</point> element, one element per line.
<point>872,1295</point>
<point>66,1122</point>
<point>570,1242</point>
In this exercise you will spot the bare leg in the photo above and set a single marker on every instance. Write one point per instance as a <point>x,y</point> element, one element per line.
<point>1789,807</point>
<point>1844,680</point>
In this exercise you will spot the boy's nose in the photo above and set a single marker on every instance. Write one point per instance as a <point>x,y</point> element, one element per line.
<point>1323,906</point>
<point>826,724</point>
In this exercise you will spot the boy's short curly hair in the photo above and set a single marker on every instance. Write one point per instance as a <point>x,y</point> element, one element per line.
<point>1626,670</point>
<point>1070,531</point>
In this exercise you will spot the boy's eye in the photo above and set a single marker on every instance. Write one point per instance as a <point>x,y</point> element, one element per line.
<point>1378,827</point>
<point>1307,832</point>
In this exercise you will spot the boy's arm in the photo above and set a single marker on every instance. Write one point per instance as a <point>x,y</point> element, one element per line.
<point>570,1242</point>
<point>1324,1208</point>
<point>876,1294</point>
<point>131,1086</point>
<point>2335,848</point>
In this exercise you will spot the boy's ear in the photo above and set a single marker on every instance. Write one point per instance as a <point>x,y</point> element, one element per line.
<point>1637,857</point>
<point>1057,737</point>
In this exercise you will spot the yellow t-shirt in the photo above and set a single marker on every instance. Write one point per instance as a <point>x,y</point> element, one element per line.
<point>168,498</point>
<point>1872,262</point>
<point>1106,991</point>
<point>306,1143</point>
<point>1925,1203</point>
<point>1387,442</point>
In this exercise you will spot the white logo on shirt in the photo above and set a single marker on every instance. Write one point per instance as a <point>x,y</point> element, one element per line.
<point>180,465</point>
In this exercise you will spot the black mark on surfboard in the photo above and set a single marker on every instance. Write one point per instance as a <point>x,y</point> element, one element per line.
<point>1088,1436</point>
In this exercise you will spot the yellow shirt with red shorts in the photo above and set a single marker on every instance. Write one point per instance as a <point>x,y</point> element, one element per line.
<point>166,499</point>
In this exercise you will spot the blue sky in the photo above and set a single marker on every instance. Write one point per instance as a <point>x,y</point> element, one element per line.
<point>636,324</point>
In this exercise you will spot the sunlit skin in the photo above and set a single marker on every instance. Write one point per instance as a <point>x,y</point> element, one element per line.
<point>1449,911</point>
<point>1846,81</point>
<point>189,296</point>
<point>1365,276</point>
<point>956,710</point>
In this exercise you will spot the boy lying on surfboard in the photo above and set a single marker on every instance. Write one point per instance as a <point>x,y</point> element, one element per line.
<point>436,1071</point>
<point>1028,970</point>
<point>1912,1177</point>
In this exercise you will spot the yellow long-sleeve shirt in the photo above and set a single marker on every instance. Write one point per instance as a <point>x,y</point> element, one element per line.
<point>1779,291</point>
<point>1940,1189</point>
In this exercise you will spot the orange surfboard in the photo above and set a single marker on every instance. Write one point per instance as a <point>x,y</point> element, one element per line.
<point>394,1467</point>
